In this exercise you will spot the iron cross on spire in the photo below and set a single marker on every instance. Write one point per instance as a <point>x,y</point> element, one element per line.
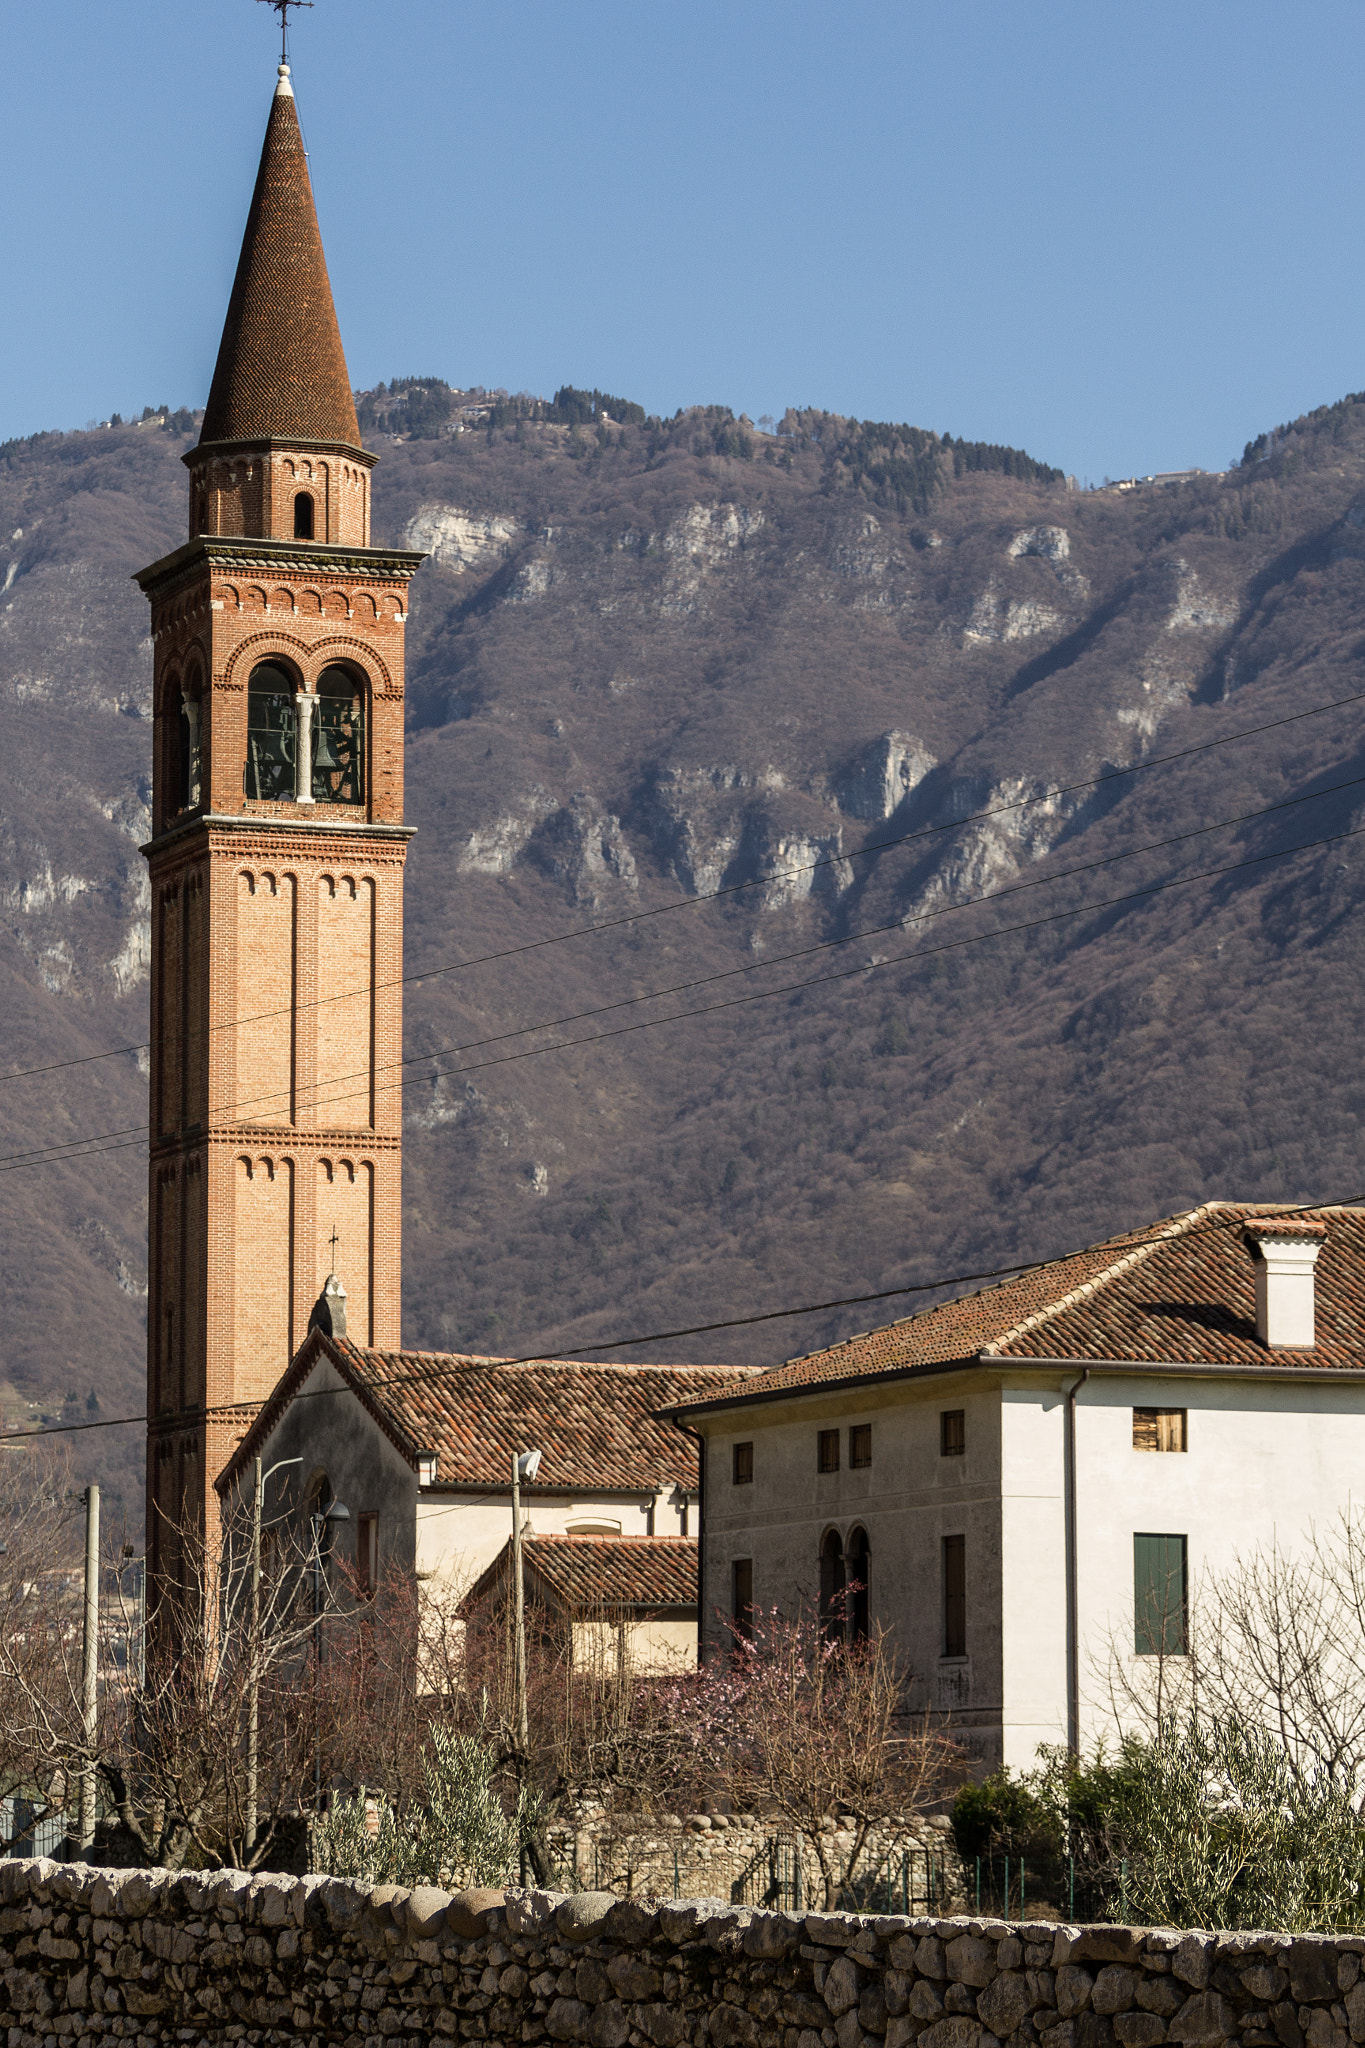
<point>282,8</point>
<point>333,1240</point>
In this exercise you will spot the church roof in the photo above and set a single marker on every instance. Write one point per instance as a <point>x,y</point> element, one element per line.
<point>281,372</point>
<point>584,1574</point>
<point>598,1426</point>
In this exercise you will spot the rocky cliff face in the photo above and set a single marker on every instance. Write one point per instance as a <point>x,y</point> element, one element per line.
<point>826,795</point>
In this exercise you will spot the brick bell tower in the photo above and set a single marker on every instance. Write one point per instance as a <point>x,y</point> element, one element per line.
<point>276,869</point>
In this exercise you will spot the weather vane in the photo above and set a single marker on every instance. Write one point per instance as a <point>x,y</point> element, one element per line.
<point>334,1240</point>
<point>282,8</point>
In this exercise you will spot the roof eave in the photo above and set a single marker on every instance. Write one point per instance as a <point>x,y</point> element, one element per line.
<point>1030,1362</point>
<point>264,443</point>
<point>214,547</point>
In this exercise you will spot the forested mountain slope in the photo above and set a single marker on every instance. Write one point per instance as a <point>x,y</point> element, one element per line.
<point>653,662</point>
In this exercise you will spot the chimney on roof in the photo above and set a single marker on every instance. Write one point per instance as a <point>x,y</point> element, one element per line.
<point>1285,1250</point>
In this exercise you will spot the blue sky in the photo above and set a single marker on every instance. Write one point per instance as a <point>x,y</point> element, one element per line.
<point>1124,237</point>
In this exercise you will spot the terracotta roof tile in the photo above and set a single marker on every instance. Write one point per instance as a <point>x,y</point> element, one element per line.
<point>1181,1290</point>
<point>586,1573</point>
<point>281,371</point>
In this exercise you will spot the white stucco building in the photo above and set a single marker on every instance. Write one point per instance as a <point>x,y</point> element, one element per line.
<point>1031,1479</point>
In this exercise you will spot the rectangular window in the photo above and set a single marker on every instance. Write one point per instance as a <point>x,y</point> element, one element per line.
<point>952,1433</point>
<point>742,1594</point>
<point>1160,1596</point>
<point>743,1470</point>
<point>954,1596</point>
<point>367,1554</point>
<point>860,1446</point>
<point>829,1450</point>
<point>1159,1429</point>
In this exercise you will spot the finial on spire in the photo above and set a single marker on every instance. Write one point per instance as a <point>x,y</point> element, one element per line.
<point>282,8</point>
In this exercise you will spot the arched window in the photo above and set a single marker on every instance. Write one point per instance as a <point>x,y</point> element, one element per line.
<point>339,738</point>
<point>859,1557</point>
<point>303,515</point>
<point>188,745</point>
<point>271,729</point>
<point>832,1587</point>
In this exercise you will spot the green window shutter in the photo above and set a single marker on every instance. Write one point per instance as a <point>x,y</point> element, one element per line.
<point>1160,1596</point>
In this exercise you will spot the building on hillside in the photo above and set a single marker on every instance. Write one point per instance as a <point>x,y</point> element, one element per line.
<point>276,863</point>
<point>608,1600</point>
<point>418,1446</point>
<point>1028,1481</point>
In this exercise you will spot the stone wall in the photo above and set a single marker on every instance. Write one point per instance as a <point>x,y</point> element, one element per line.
<point>149,1957</point>
<point>706,1854</point>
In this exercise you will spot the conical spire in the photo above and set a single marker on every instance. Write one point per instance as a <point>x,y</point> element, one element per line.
<point>281,372</point>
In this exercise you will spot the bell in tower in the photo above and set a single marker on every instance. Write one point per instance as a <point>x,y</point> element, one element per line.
<point>276,867</point>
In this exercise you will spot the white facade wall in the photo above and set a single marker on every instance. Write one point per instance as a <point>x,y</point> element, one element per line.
<point>459,1535</point>
<point>1265,1459</point>
<point>907,1501</point>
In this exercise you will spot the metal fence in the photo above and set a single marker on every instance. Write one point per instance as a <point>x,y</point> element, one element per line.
<point>19,1836</point>
<point>781,1878</point>
<point>1017,1888</point>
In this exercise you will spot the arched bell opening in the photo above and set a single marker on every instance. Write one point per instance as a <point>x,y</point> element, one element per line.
<point>189,743</point>
<point>339,737</point>
<point>858,1556</point>
<point>832,1583</point>
<point>303,515</point>
<point>268,773</point>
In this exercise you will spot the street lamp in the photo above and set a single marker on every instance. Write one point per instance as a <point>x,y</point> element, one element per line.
<point>252,1759</point>
<point>325,1522</point>
<point>525,1465</point>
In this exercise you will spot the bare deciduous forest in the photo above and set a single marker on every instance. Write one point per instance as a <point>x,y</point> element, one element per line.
<point>653,660</point>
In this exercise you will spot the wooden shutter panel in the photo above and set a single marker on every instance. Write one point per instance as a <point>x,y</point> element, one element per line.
<point>1160,1603</point>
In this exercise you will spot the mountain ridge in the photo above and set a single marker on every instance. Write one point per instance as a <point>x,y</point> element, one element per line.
<point>644,668</point>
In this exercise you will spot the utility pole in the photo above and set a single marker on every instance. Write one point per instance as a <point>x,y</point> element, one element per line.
<point>254,1715</point>
<point>90,1690</point>
<point>254,1680</point>
<point>519,1595</point>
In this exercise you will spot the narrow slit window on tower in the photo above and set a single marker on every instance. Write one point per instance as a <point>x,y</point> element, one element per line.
<point>271,730</point>
<point>339,739</point>
<point>954,1596</point>
<point>303,515</point>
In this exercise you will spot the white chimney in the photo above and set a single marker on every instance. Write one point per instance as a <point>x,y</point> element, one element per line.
<point>1286,1251</point>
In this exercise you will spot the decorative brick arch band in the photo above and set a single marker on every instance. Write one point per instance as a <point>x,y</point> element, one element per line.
<point>309,657</point>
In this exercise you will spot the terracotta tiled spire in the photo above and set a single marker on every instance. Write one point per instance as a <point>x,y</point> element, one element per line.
<point>281,373</point>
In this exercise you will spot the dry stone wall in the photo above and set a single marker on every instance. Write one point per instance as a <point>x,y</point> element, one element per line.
<point>151,1958</point>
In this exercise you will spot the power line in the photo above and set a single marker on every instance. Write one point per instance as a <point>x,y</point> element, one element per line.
<point>95,1147</point>
<point>1130,1241</point>
<point>135,1133</point>
<point>731,889</point>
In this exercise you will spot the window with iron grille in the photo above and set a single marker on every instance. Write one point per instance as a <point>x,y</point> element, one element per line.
<point>743,1472</point>
<point>952,1432</point>
<point>339,739</point>
<point>271,735</point>
<point>828,1451</point>
<point>860,1446</point>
